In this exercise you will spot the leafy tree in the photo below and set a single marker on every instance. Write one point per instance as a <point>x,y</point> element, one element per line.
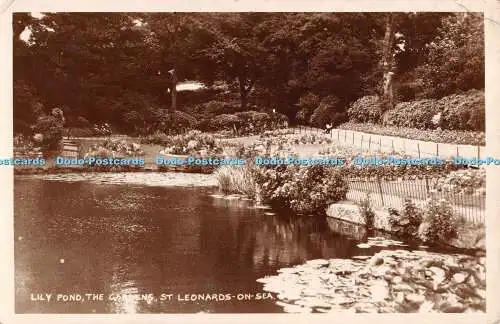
<point>456,56</point>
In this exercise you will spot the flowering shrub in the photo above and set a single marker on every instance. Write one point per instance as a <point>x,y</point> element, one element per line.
<point>310,139</point>
<point>277,132</point>
<point>468,181</point>
<point>225,122</point>
<point>439,223</point>
<point>464,111</point>
<point>414,114</point>
<point>254,122</point>
<point>367,213</point>
<point>278,147</point>
<point>114,148</point>
<point>193,142</point>
<point>302,189</point>
<point>405,223</point>
<point>367,109</point>
<point>247,122</point>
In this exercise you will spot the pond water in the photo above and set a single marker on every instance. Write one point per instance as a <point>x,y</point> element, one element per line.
<point>113,238</point>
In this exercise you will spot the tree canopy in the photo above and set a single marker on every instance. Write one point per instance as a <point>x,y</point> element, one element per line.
<point>113,67</point>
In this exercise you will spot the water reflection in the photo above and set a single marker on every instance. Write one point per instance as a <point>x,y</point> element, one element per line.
<point>123,239</point>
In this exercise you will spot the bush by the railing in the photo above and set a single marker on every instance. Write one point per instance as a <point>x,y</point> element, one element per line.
<point>439,223</point>
<point>414,114</point>
<point>405,223</point>
<point>367,213</point>
<point>464,111</point>
<point>468,181</point>
<point>367,109</point>
<point>393,172</point>
<point>435,135</point>
<point>302,189</point>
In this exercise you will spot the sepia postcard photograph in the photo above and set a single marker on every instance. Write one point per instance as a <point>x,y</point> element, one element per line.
<point>286,161</point>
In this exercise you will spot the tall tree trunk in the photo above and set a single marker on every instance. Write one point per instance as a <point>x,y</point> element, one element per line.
<point>173,89</point>
<point>388,60</point>
<point>243,95</point>
<point>244,90</point>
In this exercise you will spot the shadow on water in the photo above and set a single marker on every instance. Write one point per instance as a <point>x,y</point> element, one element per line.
<point>81,237</point>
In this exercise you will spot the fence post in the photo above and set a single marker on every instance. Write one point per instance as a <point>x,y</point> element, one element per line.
<point>352,138</point>
<point>338,135</point>
<point>478,152</point>
<point>437,149</point>
<point>370,142</point>
<point>427,185</point>
<point>380,190</point>
<point>361,143</point>
<point>418,148</point>
<point>457,152</point>
<point>393,150</point>
<point>380,144</point>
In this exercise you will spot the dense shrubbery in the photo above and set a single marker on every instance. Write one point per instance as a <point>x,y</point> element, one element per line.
<point>435,223</point>
<point>205,112</point>
<point>193,142</point>
<point>49,131</point>
<point>114,148</point>
<point>463,111</point>
<point>392,172</point>
<point>302,189</point>
<point>77,121</point>
<point>247,122</point>
<point>225,122</point>
<point>367,213</point>
<point>367,109</point>
<point>413,114</point>
<point>328,112</point>
<point>81,132</point>
<point>455,112</point>
<point>440,136</point>
<point>468,181</point>
<point>439,223</point>
<point>405,223</point>
<point>307,104</point>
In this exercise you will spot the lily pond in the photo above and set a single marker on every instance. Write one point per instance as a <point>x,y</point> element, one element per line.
<point>106,236</point>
